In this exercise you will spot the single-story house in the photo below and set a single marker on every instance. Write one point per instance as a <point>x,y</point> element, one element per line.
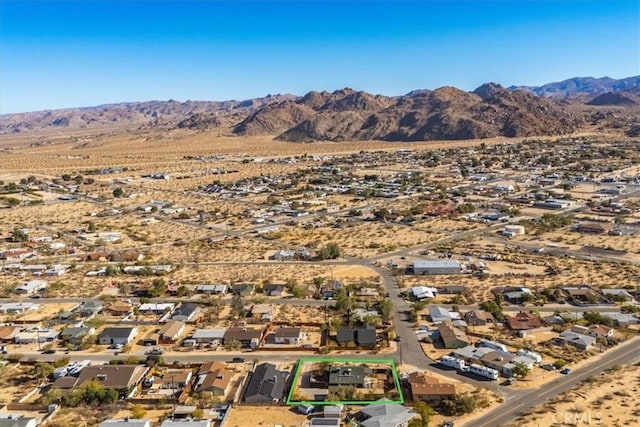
<point>273,290</point>
<point>176,379</point>
<point>186,312</point>
<point>214,377</point>
<point>422,292</point>
<point>18,307</point>
<point>119,308</point>
<point>76,335</point>
<point>288,335</point>
<point>579,341</point>
<point>452,337</point>
<point>156,308</point>
<point>440,314</point>
<point>624,319</point>
<point>8,333</point>
<point>479,318</point>
<point>357,376</point>
<point>36,335</point>
<point>125,422</point>
<point>206,336</point>
<point>362,337</point>
<point>90,308</point>
<point>248,337</point>
<point>266,385</point>
<point>429,388</point>
<point>600,331</point>
<point>124,378</point>
<point>123,336</point>
<point>242,289</point>
<point>436,267</point>
<point>471,353</point>
<point>384,412</point>
<point>219,289</point>
<point>31,287</point>
<point>185,423</point>
<point>261,312</point>
<point>171,332</point>
<point>523,321</point>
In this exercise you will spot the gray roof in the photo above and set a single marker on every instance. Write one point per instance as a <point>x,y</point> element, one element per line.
<point>471,352</point>
<point>348,375</point>
<point>214,334</point>
<point>575,338</point>
<point>361,336</point>
<point>439,312</point>
<point>436,264</point>
<point>186,309</point>
<point>383,413</point>
<point>186,423</point>
<point>266,384</point>
<point>129,422</point>
<point>117,332</point>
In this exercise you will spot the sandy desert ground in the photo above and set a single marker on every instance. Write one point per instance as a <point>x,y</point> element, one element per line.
<point>610,399</point>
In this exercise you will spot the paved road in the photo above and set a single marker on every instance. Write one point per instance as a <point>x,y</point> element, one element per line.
<point>626,354</point>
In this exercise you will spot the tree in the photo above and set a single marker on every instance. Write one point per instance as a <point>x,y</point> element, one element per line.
<point>425,411</point>
<point>118,192</point>
<point>159,288</point>
<point>494,308</point>
<point>345,303</point>
<point>386,308</point>
<point>462,404</point>
<point>521,370</point>
<point>237,306</point>
<point>297,292</point>
<point>138,412</point>
<point>18,235</point>
<point>197,414</point>
<point>595,318</point>
<point>330,251</point>
<point>318,281</point>
<point>66,177</point>
<point>560,363</point>
<point>42,370</point>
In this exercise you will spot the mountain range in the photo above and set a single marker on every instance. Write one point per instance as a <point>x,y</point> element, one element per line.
<point>491,110</point>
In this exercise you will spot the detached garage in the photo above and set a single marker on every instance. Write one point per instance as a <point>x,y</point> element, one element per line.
<point>436,267</point>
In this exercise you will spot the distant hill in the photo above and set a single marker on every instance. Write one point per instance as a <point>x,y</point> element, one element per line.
<point>135,113</point>
<point>446,113</point>
<point>589,86</point>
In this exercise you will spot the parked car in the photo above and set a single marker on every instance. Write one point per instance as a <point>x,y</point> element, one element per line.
<point>155,351</point>
<point>548,367</point>
<point>565,371</point>
<point>49,351</point>
<point>237,360</point>
<point>511,380</point>
<point>116,346</point>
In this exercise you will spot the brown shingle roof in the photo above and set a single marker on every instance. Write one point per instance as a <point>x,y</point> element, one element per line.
<point>216,376</point>
<point>423,385</point>
<point>172,329</point>
<point>523,321</point>
<point>113,376</point>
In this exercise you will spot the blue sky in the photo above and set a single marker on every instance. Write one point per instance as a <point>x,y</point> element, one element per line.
<point>56,54</point>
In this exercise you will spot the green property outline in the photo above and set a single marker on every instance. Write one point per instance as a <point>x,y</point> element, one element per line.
<point>304,360</point>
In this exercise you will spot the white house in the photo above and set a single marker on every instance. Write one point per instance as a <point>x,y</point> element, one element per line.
<point>31,287</point>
